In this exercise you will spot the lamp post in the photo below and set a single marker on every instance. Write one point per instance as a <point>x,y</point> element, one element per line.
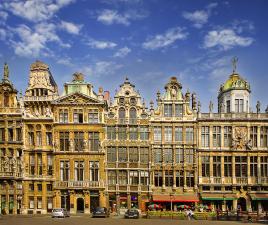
<point>171,195</point>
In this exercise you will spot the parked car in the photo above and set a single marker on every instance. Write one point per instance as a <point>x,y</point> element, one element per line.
<point>60,213</point>
<point>100,212</point>
<point>132,213</point>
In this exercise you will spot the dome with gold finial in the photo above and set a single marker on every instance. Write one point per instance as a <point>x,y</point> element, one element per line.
<point>235,81</point>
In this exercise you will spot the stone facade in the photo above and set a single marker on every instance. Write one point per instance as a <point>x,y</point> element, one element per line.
<point>81,150</point>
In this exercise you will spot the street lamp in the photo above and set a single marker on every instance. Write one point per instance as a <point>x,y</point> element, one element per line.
<point>171,195</point>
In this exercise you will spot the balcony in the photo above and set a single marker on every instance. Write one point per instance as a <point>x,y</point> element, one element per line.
<point>40,98</point>
<point>263,180</point>
<point>10,174</point>
<point>8,110</point>
<point>241,180</point>
<point>216,180</point>
<point>79,184</point>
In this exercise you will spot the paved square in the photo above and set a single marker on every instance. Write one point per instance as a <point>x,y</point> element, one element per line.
<point>87,220</point>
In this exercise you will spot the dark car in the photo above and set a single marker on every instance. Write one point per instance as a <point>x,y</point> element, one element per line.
<point>132,213</point>
<point>100,212</point>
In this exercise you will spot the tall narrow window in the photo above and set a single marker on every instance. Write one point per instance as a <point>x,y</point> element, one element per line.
<point>133,154</point>
<point>93,116</point>
<point>94,142</point>
<point>122,154</point>
<point>63,115</point>
<point>178,134</point>
<point>38,138</point>
<point>94,170</point>
<point>228,166</point>
<point>168,134</point>
<point>64,141</point>
<point>78,141</point>
<point>132,116</point>
<point>178,110</point>
<point>78,116</point>
<point>264,166</point>
<point>32,164</point>
<point>157,134</point>
<point>205,136</point>
<point>111,154</point>
<point>169,178</point>
<point>133,133</point>
<point>189,156</point>
<point>40,164</point>
<point>144,154</point>
<point>179,155</point>
<point>49,165</point>
<point>122,115</point>
<point>190,179</point>
<point>264,137</point>
<point>134,177</point>
<point>64,170</point>
<point>2,134</point>
<point>228,106</point>
<point>144,133</point>
<point>122,133</point>
<point>227,136</point>
<point>111,133</point>
<point>6,99</point>
<point>122,177</point>
<point>49,138</point>
<point>158,178</point>
<point>179,179</point>
<point>216,136</point>
<point>79,170</point>
<point>241,166</point>
<point>168,156</point>
<point>31,138</point>
<point>144,178</point>
<point>217,166</point>
<point>189,134</point>
<point>158,155</point>
<point>253,135</point>
<point>205,166</point>
<point>253,166</point>
<point>112,177</point>
<point>168,110</point>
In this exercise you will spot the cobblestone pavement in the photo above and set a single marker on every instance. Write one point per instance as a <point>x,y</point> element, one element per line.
<point>86,220</point>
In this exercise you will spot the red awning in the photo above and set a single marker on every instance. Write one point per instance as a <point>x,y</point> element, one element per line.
<point>176,198</point>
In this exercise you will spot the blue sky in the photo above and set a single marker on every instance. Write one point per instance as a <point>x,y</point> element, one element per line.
<point>146,40</point>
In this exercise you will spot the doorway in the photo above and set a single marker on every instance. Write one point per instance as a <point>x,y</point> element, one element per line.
<point>80,205</point>
<point>242,204</point>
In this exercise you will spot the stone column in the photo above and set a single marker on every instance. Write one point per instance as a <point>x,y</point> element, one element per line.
<point>44,198</point>
<point>235,204</point>
<point>87,202</point>
<point>233,172</point>
<point>128,201</point>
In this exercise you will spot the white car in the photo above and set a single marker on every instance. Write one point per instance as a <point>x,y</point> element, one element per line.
<point>60,213</point>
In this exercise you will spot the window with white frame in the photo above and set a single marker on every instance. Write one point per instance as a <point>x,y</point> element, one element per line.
<point>79,170</point>
<point>157,133</point>
<point>134,177</point>
<point>93,116</point>
<point>168,134</point>
<point>94,170</point>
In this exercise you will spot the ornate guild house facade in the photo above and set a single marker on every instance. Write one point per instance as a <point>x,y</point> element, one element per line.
<point>81,149</point>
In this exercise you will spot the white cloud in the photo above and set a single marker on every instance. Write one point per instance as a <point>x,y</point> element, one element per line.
<point>71,28</point>
<point>3,15</point>
<point>101,68</point>
<point>2,34</point>
<point>35,10</point>
<point>65,61</point>
<point>108,16</point>
<point>225,39</point>
<point>101,44</point>
<point>122,52</point>
<point>33,42</point>
<point>199,17</point>
<point>166,39</point>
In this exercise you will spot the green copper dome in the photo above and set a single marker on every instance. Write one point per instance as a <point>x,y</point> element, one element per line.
<point>234,82</point>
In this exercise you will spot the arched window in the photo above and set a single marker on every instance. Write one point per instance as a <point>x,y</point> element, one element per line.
<point>132,113</point>
<point>6,99</point>
<point>122,113</point>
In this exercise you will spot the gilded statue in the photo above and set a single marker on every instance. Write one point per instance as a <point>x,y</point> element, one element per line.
<point>6,71</point>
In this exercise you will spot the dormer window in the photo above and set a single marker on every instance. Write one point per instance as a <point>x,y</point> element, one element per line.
<point>132,101</point>
<point>78,116</point>
<point>93,116</point>
<point>239,105</point>
<point>168,110</point>
<point>178,110</point>
<point>121,101</point>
